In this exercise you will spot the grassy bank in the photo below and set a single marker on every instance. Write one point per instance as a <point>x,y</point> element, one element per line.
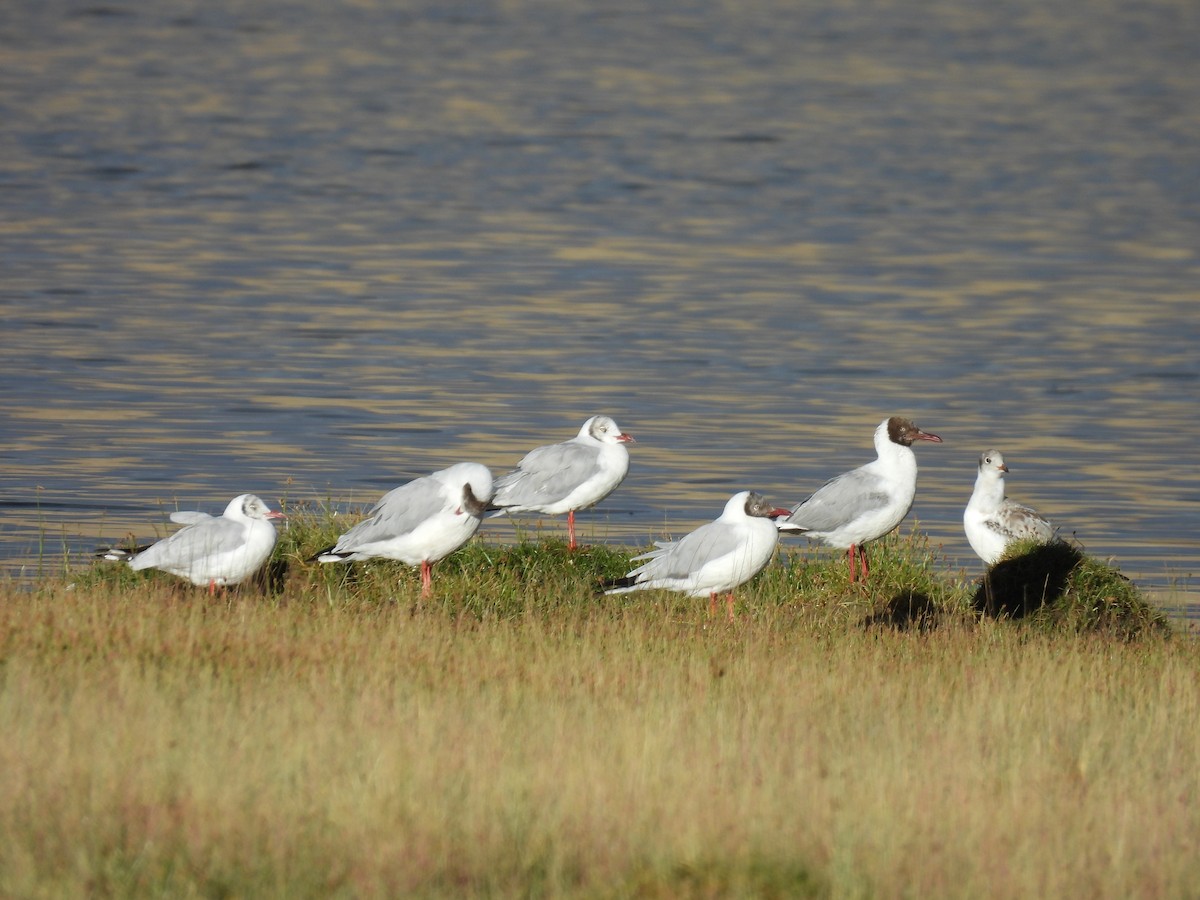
<point>326,734</point>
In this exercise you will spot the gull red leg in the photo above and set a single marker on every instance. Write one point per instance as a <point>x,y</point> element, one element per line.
<point>729,604</point>
<point>571,529</point>
<point>712,603</point>
<point>853,553</point>
<point>862,561</point>
<point>426,578</point>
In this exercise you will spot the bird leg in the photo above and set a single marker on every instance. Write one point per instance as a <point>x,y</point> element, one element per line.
<point>858,553</point>
<point>570,529</point>
<point>712,604</point>
<point>729,604</point>
<point>426,579</point>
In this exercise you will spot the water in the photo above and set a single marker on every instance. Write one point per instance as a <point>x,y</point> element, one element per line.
<point>312,250</point>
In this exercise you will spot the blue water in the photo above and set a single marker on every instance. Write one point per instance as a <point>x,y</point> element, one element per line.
<point>313,250</point>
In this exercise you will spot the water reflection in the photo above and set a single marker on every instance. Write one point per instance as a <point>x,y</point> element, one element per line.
<point>313,252</point>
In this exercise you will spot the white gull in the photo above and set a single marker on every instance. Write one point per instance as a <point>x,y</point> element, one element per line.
<point>865,503</point>
<point>419,522</point>
<point>214,551</point>
<point>991,520</point>
<point>562,478</point>
<point>715,558</point>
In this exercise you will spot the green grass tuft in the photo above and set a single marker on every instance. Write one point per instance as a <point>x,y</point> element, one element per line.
<point>1053,587</point>
<point>1056,588</point>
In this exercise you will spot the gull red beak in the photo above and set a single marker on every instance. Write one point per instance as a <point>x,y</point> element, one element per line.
<point>625,438</point>
<point>778,513</point>
<point>926,436</point>
<point>1003,467</point>
<point>275,514</point>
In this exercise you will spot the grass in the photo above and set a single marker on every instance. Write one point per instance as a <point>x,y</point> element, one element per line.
<point>327,734</point>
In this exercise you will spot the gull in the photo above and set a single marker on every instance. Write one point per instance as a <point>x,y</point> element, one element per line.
<point>991,520</point>
<point>562,478</point>
<point>419,522</point>
<point>714,558</point>
<point>865,503</point>
<point>214,551</point>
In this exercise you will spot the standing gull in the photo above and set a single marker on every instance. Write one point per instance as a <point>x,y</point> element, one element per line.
<point>420,522</point>
<point>562,478</point>
<point>714,558</point>
<point>992,521</point>
<point>865,503</point>
<point>214,551</point>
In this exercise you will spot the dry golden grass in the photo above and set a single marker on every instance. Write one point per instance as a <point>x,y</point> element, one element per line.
<point>331,740</point>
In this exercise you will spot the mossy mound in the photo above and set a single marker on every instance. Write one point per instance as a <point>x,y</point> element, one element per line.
<point>1058,587</point>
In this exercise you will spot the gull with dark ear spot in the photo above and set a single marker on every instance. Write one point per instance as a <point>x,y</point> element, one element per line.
<point>714,558</point>
<point>865,503</point>
<point>215,551</point>
<point>420,522</point>
<point>562,478</point>
<point>991,520</point>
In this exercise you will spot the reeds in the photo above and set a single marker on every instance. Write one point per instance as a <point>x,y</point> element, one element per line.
<point>326,734</point>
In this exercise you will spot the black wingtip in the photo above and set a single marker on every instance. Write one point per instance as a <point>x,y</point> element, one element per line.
<point>623,581</point>
<point>119,552</point>
<point>316,556</point>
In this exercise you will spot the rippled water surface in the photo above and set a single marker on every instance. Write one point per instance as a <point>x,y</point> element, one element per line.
<point>312,250</point>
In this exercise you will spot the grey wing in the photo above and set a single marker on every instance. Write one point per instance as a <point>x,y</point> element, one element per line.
<point>692,553</point>
<point>205,538</point>
<point>189,517</point>
<point>1017,522</point>
<point>840,501</point>
<point>397,513</point>
<point>547,475</point>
